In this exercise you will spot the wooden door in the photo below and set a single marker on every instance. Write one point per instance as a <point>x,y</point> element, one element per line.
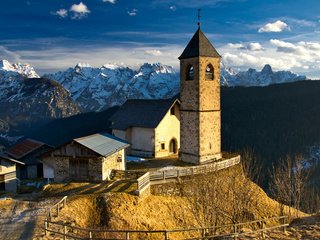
<point>78,169</point>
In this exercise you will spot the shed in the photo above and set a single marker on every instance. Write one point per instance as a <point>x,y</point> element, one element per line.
<point>28,152</point>
<point>8,176</point>
<point>90,158</point>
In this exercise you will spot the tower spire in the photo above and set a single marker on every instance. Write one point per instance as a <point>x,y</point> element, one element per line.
<point>199,17</point>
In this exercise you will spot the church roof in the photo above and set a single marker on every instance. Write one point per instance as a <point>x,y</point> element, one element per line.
<point>199,45</point>
<point>141,113</point>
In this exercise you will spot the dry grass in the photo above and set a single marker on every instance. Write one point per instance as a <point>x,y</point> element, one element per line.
<point>6,207</point>
<point>91,206</point>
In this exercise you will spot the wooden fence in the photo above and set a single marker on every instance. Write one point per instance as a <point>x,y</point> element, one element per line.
<point>175,173</point>
<point>143,183</point>
<point>232,230</point>
<point>56,208</point>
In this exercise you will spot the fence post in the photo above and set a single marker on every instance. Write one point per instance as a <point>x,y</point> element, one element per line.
<point>90,235</point>
<point>45,227</point>
<point>283,223</point>
<point>166,235</point>
<point>235,231</point>
<point>262,228</point>
<point>203,233</point>
<point>127,236</point>
<point>64,232</point>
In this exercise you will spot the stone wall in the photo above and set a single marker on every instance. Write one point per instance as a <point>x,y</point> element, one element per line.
<point>200,112</point>
<point>113,162</point>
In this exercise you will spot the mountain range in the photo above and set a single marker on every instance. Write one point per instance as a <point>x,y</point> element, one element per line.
<point>25,98</point>
<point>24,94</point>
<point>96,89</point>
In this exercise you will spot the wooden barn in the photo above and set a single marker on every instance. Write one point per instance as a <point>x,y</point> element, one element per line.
<point>28,151</point>
<point>8,175</point>
<point>152,127</point>
<point>89,158</point>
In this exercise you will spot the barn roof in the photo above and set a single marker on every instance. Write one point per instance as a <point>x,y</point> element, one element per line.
<point>199,45</point>
<point>4,156</point>
<point>144,113</point>
<point>102,143</point>
<point>23,148</point>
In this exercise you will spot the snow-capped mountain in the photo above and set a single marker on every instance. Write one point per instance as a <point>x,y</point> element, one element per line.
<point>18,68</point>
<point>100,88</point>
<point>254,78</point>
<point>25,97</point>
<point>95,89</point>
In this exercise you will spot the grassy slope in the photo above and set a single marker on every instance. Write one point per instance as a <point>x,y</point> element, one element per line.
<point>125,211</point>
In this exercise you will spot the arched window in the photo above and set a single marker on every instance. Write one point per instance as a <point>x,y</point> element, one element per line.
<point>190,73</point>
<point>209,72</point>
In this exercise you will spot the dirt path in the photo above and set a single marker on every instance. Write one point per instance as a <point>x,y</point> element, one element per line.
<point>19,218</point>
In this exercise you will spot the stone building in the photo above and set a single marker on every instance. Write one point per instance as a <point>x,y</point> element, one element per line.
<point>200,101</point>
<point>152,127</point>
<point>90,158</point>
<point>8,176</point>
<point>28,152</point>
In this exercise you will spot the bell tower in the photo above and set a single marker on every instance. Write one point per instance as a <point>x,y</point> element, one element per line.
<point>200,119</point>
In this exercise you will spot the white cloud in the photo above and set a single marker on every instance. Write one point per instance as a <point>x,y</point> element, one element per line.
<point>80,10</point>
<point>109,1</point>
<point>153,52</point>
<point>236,45</point>
<point>277,26</point>
<point>173,8</point>
<point>133,12</point>
<point>255,46</point>
<point>63,13</point>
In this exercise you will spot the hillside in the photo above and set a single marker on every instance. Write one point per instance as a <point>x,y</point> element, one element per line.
<point>170,209</point>
<point>63,130</point>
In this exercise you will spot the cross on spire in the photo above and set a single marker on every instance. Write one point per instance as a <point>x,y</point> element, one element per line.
<point>199,17</point>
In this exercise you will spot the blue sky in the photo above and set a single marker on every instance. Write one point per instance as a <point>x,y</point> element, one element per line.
<point>53,35</point>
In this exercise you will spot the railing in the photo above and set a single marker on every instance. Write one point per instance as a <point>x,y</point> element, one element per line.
<point>72,232</point>
<point>143,183</point>
<point>56,208</point>
<point>195,170</point>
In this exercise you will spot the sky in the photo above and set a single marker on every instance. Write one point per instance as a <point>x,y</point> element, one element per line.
<point>52,35</point>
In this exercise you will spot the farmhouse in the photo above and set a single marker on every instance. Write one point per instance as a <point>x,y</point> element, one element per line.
<point>152,127</point>
<point>89,158</point>
<point>28,152</point>
<point>8,176</point>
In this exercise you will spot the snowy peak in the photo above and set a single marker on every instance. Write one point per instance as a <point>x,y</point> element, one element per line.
<point>266,69</point>
<point>252,77</point>
<point>156,68</point>
<point>23,69</point>
<point>96,89</point>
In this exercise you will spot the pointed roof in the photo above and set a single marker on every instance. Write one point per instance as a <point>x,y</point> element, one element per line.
<point>199,45</point>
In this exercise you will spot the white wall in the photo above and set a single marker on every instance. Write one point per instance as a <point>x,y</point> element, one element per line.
<point>168,128</point>
<point>48,171</point>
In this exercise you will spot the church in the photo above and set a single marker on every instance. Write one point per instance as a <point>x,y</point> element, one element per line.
<point>197,117</point>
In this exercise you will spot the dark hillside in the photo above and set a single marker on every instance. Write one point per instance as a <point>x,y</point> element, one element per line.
<point>271,121</point>
<point>60,131</point>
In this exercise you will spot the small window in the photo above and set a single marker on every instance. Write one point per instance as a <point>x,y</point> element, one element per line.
<point>172,111</point>
<point>209,72</point>
<point>163,146</point>
<point>190,73</point>
<point>119,158</point>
